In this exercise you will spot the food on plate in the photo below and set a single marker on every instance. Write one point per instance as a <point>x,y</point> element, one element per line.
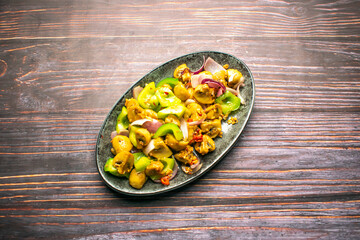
<point>171,122</point>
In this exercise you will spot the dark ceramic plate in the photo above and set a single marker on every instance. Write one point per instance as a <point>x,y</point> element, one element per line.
<point>223,145</point>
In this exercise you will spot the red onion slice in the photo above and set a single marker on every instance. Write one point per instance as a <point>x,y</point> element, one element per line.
<point>149,147</point>
<point>213,84</point>
<point>212,66</point>
<point>136,91</point>
<point>151,125</point>
<point>184,128</point>
<point>200,69</point>
<point>219,92</point>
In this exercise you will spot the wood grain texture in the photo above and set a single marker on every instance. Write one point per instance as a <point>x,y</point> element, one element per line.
<point>294,173</point>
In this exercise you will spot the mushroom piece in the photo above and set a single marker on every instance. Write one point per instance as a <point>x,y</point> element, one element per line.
<point>220,77</point>
<point>213,111</point>
<point>150,113</point>
<point>135,112</point>
<point>121,143</point>
<point>186,156</point>
<point>155,168</point>
<point>137,179</point>
<point>234,77</point>
<point>204,94</point>
<point>143,137</point>
<point>174,144</point>
<point>124,162</point>
<point>195,112</point>
<point>160,149</point>
<point>211,127</point>
<point>207,145</point>
<point>172,119</point>
<point>181,92</point>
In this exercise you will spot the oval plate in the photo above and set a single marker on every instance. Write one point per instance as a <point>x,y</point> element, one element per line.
<point>223,145</point>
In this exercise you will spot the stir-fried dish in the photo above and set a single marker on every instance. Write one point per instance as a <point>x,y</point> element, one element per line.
<point>172,122</point>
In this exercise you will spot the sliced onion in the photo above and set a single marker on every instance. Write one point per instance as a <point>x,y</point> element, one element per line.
<point>196,122</point>
<point>197,168</point>
<point>195,165</point>
<point>140,122</point>
<point>239,95</point>
<point>213,84</point>
<point>212,66</point>
<point>136,91</point>
<point>151,125</point>
<point>200,69</point>
<point>123,132</point>
<point>233,91</point>
<point>195,80</point>
<point>175,170</point>
<point>113,134</point>
<point>219,92</point>
<point>184,128</point>
<point>149,147</point>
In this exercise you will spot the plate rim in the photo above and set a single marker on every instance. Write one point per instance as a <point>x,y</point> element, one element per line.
<point>212,164</point>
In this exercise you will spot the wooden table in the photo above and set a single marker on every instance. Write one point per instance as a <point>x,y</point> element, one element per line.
<point>294,173</point>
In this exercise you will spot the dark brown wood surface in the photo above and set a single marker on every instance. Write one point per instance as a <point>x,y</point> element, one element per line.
<point>294,173</point>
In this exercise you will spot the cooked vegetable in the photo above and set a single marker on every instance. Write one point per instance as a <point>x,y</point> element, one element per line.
<point>234,77</point>
<point>181,113</point>
<point>121,143</point>
<point>160,149</point>
<point>170,81</point>
<point>207,145</point>
<point>109,167</point>
<point>177,110</point>
<point>204,94</point>
<point>122,120</point>
<point>228,102</point>
<point>181,92</point>
<point>147,98</point>
<point>166,97</point>
<point>123,162</point>
<point>142,137</point>
<point>174,144</point>
<point>137,179</point>
<point>169,128</point>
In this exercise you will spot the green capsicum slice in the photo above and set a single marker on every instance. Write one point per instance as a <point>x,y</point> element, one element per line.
<point>132,135</point>
<point>109,167</point>
<point>171,81</point>
<point>141,161</point>
<point>147,98</point>
<point>177,110</point>
<point>166,97</point>
<point>122,120</point>
<point>169,128</point>
<point>229,102</point>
